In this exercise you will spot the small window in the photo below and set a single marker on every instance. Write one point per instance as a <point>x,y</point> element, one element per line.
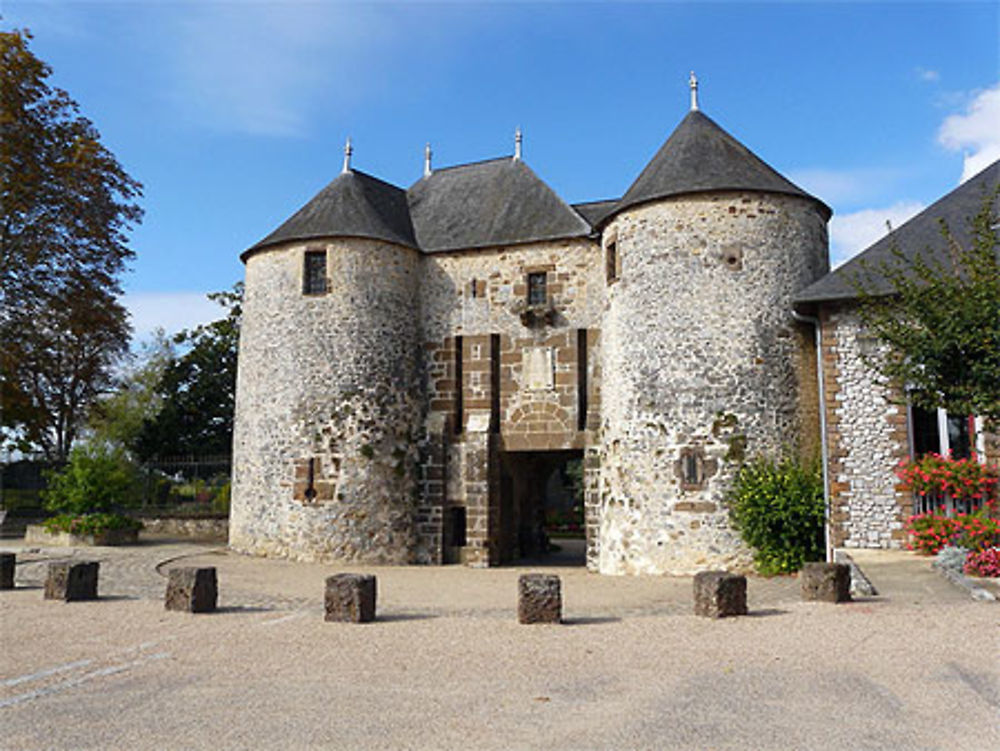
<point>537,292</point>
<point>936,431</point>
<point>314,273</point>
<point>612,262</point>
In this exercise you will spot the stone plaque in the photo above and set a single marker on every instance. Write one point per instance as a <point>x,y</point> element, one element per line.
<point>538,368</point>
<point>478,422</point>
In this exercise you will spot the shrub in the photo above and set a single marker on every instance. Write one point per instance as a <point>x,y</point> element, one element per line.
<point>778,509</point>
<point>220,502</point>
<point>96,478</point>
<point>930,532</point>
<point>983,563</point>
<point>90,524</point>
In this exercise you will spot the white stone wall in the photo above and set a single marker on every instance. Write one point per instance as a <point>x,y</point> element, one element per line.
<point>699,353</point>
<point>869,439</point>
<point>333,378</point>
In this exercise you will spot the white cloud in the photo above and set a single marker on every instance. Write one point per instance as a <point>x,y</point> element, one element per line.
<point>927,75</point>
<point>170,311</point>
<point>847,186</point>
<point>976,132</point>
<point>851,233</point>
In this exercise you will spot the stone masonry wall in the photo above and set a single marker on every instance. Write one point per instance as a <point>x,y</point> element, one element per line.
<point>329,406</point>
<point>701,357</point>
<point>867,438</point>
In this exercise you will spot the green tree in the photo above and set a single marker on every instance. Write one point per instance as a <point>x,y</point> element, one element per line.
<point>116,419</point>
<point>942,321</point>
<point>66,206</point>
<point>198,389</point>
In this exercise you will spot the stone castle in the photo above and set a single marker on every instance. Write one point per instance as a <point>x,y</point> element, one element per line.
<point>416,364</point>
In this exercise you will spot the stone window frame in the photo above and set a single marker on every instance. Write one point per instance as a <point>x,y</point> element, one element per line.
<point>704,468</point>
<point>314,277</point>
<point>531,291</point>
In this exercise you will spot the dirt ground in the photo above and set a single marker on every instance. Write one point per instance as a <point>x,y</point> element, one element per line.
<point>446,665</point>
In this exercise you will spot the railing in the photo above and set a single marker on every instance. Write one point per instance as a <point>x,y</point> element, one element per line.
<point>944,504</point>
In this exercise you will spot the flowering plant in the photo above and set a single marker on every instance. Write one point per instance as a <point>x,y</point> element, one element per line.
<point>930,532</point>
<point>962,479</point>
<point>984,563</point>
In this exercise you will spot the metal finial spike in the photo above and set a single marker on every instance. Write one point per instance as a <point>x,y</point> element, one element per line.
<point>347,155</point>
<point>693,83</point>
<point>427,160</point>
<point>518,137</point>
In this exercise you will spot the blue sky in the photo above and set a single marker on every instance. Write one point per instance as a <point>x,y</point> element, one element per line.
<point>234,114</point>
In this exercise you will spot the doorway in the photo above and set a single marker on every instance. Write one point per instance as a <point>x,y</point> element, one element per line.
<point>541,508</point>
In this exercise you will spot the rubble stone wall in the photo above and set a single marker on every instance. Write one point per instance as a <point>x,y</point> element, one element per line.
<point>867,437</point>
<point>701,358</point>
<point>329,406</point>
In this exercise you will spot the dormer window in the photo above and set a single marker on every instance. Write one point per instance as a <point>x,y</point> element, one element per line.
<point>537,291</point>
<point>314,273</point>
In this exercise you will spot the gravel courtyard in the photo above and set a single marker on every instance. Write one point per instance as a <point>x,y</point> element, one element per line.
<point>446,665</point>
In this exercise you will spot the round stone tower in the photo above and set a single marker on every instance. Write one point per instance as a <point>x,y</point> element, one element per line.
<point>328,400</point>
<point>704,361</point>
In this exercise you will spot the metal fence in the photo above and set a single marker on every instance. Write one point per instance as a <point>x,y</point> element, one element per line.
<point>195,483</point>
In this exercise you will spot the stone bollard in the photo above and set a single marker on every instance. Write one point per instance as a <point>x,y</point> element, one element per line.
<point>192,590</point>
<point>719,594</point>
<point>827,582</point>
<point>350,598</point>
<point>539,598</point>
<point>7,562</point>
<point>72,581</point>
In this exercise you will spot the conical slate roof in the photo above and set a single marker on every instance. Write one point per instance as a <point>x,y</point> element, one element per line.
<point>920,236</point>
<point>700,156</point>
<point>484,204</point>
<point>353,205</point>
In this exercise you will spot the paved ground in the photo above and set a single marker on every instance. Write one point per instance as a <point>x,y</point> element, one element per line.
<point>447,666</point>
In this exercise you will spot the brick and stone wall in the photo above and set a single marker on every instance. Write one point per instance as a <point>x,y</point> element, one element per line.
<point>703,368</point>
<point>502,377</point>
<point>867,437</point>
<point>330,406</point>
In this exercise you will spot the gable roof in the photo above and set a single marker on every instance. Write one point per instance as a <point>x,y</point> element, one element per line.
<point>354,204</point>
<point>920,236</point>
<point>700,156</point>
<point>483,204</point>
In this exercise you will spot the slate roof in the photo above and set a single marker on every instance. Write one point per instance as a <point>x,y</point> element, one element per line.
<point>595,211</point>
<point>483,204</point>
<point>355,204</point>
<point>700,156</point>
<point>920,236</point>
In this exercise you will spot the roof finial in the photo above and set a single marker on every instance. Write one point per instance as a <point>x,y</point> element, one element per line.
<point>693,83</point>
<point>427,160</point>
<point>518,137</point>
<point>347,156</point>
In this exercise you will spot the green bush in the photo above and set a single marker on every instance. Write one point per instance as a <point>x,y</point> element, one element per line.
<point>778,509</point>
<point>90,524</point>
<point>96,478</point>
<point>220,502</point>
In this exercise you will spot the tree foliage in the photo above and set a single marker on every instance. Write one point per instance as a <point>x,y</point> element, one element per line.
<point>198,389</point>
<point>117,418</point>
<point>942,324</point>
<point>66,206</point>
